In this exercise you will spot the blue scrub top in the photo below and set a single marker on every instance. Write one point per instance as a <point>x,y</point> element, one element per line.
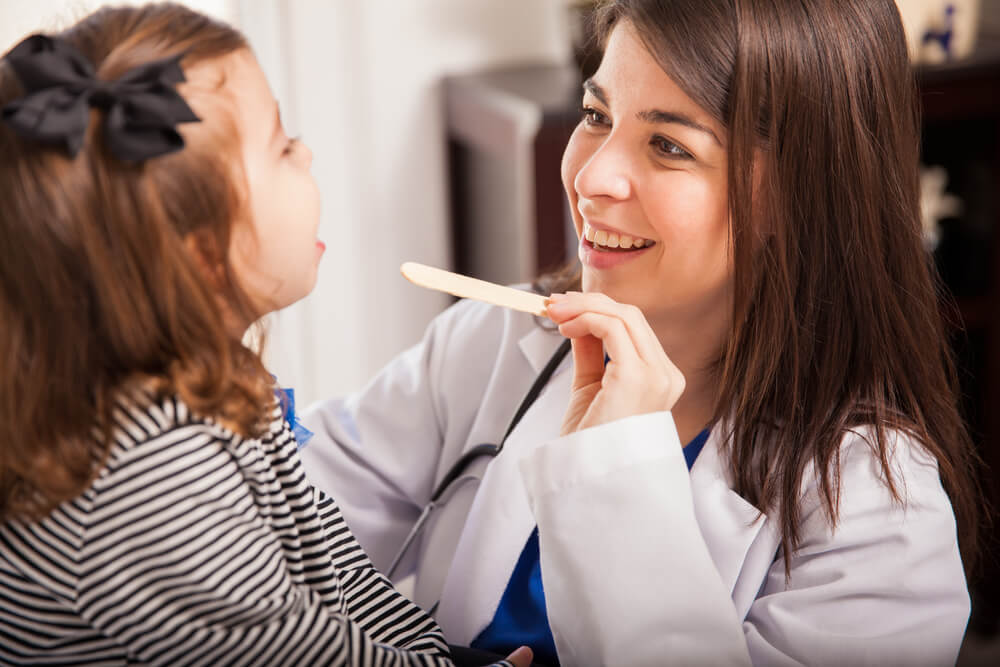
<point>520,619</point>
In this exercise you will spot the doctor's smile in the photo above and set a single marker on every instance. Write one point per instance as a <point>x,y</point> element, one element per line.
<point>602,247</point>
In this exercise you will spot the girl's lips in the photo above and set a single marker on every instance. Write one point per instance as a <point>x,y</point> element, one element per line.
<point>607,259</point>
<point>320,246</point>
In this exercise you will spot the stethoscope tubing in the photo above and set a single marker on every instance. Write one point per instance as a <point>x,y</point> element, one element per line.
<point>453,478</point>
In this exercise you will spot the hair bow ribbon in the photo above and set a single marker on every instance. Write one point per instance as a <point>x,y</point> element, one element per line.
<point>142,107</point>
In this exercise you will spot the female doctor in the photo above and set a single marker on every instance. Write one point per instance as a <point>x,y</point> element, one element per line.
<point>753,453</point>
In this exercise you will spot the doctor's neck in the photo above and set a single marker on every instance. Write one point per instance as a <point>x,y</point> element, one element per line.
<point>694,346</point>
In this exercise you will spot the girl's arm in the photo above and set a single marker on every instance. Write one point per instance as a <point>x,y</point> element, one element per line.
<point>370,596</point>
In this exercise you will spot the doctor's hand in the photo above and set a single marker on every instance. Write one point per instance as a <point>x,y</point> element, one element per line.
<point>638,379</point>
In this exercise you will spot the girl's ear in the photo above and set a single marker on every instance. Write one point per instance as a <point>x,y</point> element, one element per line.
<point>203,250</point>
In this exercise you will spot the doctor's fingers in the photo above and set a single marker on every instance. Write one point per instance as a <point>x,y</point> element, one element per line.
<point>588,360</point>
<point>657,384</point>
<point>611,331</point>
<point>566,306</point>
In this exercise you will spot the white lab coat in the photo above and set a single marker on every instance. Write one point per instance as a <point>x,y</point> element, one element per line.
<point>643,562</point>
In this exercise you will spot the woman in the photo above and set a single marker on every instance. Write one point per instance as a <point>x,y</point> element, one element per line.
<point>744,178</point>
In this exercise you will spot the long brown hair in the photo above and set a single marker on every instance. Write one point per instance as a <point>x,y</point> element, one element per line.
<point>98,286</point>
<point>836,322</point>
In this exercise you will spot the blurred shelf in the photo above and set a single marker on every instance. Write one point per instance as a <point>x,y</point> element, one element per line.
<point>507,129</point>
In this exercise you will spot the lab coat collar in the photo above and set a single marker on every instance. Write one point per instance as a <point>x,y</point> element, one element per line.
<point>740,540</point>
<point>538,346</point>
<point>489,549</point>
<point>729,523</point>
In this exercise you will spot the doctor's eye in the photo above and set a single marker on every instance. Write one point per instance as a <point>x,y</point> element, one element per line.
<point>667,148</point>
<point>593,117</point>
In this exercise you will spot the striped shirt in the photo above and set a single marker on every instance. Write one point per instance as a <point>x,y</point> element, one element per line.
<point>197,546</point>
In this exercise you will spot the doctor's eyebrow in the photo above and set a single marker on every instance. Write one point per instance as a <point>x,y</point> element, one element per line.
<point>654,116</point>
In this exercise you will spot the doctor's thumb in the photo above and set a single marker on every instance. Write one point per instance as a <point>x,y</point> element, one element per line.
<point>521,657</point>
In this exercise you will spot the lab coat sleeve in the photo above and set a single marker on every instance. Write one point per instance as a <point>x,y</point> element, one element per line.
<point>628,578</point>
<point>614,510</point>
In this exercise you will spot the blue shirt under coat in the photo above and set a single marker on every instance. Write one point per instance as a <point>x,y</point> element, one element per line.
<point>520,619</point>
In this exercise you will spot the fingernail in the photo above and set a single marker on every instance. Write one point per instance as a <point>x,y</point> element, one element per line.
<point>557,297</point>
<point>523,651</point>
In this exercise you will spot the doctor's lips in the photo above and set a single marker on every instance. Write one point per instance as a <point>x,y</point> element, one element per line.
<point>604,240</point>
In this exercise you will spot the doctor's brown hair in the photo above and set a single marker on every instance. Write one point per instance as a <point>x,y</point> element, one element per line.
<point>836,322</point>
<point>99,281</point>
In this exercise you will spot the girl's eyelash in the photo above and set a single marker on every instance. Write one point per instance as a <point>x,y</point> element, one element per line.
<point>290,146</point>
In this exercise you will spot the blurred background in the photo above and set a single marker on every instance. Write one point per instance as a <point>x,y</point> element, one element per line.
<point>437,128</point>
<point>362,83</point>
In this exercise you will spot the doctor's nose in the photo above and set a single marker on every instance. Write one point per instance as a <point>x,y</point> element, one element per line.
<point>604,174</point>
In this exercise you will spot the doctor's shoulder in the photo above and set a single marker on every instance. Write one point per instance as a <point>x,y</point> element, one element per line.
<point>889,509</point>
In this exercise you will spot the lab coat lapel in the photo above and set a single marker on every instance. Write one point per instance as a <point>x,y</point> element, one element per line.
<point>500,519</point>
<point>740,539</point>
<point>538,346</point>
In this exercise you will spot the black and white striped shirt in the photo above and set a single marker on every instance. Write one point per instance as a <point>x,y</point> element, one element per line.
<point>197,546</point>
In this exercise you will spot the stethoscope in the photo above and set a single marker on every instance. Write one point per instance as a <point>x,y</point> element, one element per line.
<point>455,478</point>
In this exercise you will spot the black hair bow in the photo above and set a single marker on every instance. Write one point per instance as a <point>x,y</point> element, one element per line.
<point>141,107</point>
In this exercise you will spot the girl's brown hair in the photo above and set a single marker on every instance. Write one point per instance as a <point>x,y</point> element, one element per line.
<point>836,322</point>
<point>98,282</point>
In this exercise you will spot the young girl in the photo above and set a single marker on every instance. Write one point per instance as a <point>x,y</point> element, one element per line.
<point>153,505</point>
<point>768,465</point>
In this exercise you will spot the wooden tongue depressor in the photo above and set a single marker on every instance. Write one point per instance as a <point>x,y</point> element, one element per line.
<point>473,288</point>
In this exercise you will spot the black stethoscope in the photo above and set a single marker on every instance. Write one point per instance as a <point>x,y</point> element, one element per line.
<point>454,478</point>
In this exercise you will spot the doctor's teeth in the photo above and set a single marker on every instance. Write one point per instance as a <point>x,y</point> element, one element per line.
<point>605,239</point>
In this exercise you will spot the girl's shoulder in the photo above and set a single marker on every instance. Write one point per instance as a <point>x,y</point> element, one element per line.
<point>142,414</point>
<point>150,426</point>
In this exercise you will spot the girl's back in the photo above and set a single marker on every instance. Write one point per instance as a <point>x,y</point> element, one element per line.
<point>196,544</point>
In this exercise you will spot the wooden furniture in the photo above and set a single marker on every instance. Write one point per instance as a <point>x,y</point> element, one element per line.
<point>961,132</point>
<point>507,129</point>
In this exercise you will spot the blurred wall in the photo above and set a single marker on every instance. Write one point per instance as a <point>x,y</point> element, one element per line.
<point>360,81</point>
<point>18,18</point>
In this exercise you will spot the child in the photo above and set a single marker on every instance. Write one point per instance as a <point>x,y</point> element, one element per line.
<point>152,501</point>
